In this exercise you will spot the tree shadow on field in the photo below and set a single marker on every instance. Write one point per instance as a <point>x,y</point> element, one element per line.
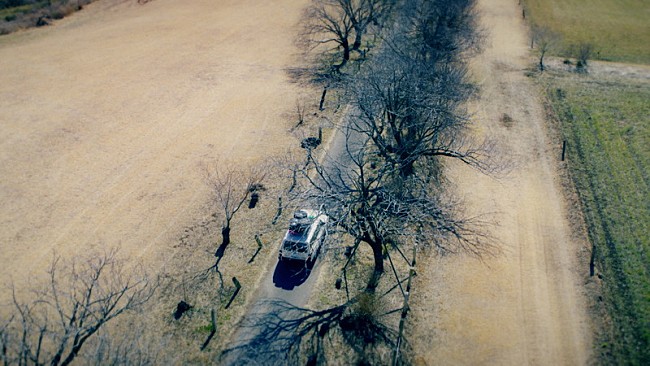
<point>290,274</point>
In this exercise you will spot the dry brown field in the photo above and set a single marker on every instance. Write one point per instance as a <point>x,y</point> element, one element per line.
<point>108,116</point>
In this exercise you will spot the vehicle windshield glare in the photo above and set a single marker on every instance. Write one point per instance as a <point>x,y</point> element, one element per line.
<point>294,246</point>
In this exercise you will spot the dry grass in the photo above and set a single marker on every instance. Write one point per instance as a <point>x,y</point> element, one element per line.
<point>619,30</point>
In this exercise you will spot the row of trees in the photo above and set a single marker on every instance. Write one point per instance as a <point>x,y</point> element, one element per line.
<point>406,118</point>
<point>384,186</point>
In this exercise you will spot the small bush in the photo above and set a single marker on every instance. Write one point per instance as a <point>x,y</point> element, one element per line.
<point>583,52</point>
<point>506,120</point>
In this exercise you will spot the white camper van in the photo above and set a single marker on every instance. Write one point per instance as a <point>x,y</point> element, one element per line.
<point>305,236</point>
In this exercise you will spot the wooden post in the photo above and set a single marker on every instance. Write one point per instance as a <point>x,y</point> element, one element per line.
<point>213,331</point>
<point>345,276</point>
<point>259,247</point>
<point>563,149</point>
<point>322,99</point>
<point>279,212</point>
<point>345,279</point>
<point>592,261</point>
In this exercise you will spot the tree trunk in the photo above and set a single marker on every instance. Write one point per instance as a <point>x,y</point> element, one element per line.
<point>346,54</point>
<point>357,39</point>
<point>406,169</point>
<point>378,256</point>
<point>225,234</point>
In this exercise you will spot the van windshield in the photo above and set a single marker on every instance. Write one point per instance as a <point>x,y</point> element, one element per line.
<point>298,233</point>
<point>294,246</point>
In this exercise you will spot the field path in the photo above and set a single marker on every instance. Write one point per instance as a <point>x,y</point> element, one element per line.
<point>108,115</point>
<point>526,306</point>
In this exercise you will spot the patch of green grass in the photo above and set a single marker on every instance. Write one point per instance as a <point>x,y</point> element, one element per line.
<point>607,126</point>
<point>619,29</point>
<point>204,329</point>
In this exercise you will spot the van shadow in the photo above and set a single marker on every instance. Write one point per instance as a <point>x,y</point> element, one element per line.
<point>289,274</point>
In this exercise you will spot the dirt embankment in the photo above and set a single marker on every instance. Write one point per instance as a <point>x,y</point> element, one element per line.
<point>108,115</point>
<point>526,306</point>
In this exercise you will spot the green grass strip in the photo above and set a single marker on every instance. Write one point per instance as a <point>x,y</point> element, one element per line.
<point>607,127</point>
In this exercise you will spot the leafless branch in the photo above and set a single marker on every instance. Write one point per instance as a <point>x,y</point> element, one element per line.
<point>81,297</point>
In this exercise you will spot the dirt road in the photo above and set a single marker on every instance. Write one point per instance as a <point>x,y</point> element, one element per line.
<point>524,307</point>
<point>108,115</point>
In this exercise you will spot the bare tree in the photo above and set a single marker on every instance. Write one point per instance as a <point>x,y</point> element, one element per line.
<point>364,197</point>
<point>546,41</point>
<point>363,14</point>
<point>325,24</point>
<point>411,110</point>
<point>583,52</point>
<point>79,300</point>
<point>342,24</point>
<point>300,113</point>
<point>379,182</point>
<point>407,114</point>
<point>231,188</point>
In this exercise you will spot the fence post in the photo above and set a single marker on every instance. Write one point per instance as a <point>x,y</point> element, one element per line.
<point>563,149</point>
<point>322,99</point>
<point>237,288</point>
<point>279,212</point>
<point>592,260</point>
<point>259,247</point>
<point>213,331</point>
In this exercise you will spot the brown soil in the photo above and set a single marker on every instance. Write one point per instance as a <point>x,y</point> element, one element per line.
<point>108,115</point>
<point>525,306</point>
